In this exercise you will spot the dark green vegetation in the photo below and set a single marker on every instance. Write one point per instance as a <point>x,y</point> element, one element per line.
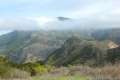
<point>86,52</point>
<point>78,51</point>
<point>34,53</point>
<point>31,46</point>
<point>113,55</point>
<point>60,47</point>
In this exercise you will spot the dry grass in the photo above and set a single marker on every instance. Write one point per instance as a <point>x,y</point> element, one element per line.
<point>108,72</point>
<point>15,74</point>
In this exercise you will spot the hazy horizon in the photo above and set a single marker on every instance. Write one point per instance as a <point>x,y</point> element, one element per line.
<point>59,39</point>
<point>42,15</point>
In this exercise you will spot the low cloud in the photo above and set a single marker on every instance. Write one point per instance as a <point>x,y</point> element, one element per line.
<point>52,23</point>
<point>38,14</point>
<point>18,24</point>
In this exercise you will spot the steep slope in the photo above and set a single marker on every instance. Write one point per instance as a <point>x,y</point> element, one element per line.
<point>113,55</point>
<point>79,51</point>
<point>29,46</point>
<point>13,41</point>
<point>11,44</point>
<point>108,34</point>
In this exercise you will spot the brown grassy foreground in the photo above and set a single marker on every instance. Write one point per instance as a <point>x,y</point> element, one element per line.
<point>108,72</point>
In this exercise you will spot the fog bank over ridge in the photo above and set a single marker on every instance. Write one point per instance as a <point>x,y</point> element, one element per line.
<point>37,14</point>
<point>53,23</point>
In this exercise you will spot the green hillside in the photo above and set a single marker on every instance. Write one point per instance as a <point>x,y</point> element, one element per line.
<point>31,46</point>
<point>79,51</point>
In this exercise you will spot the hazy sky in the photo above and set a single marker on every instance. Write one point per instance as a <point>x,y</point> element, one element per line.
<point>41,14</point>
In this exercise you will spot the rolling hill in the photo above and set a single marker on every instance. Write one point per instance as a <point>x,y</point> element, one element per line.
<point>30,46</point>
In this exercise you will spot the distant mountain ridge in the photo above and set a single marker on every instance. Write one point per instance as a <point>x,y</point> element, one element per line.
<point>78,51</point>
<point>29,46</point>
<point>60,47</point>
<point>86,52</point>
<point>107,34</point>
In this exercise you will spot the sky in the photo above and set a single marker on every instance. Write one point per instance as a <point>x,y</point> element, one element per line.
<point>41,14</point>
